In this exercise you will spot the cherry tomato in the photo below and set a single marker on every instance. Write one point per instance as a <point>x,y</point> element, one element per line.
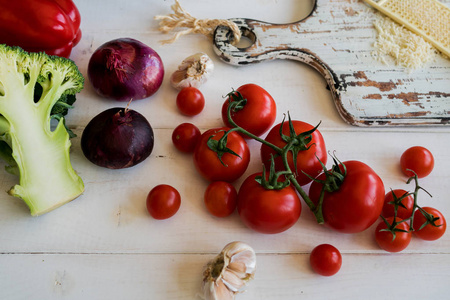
<point>232,166</point>
<point>267,211</point>
<point>185,137</point>
<point>190,101</point>
<point>429,232</point>
<point>325,260</point>
<point>386,240</point>
<point>418,159</point>
<point>259,112</point>
<point>307,160</point>
<point>358,202</point>
<point>163,201</point>
<point>402,212</point>
<point>220,198</point>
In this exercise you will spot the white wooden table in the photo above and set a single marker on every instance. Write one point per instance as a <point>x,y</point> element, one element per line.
<point>104,245</point>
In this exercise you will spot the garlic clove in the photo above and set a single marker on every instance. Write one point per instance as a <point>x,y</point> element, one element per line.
<point>228,273</point>
<point>245,256</point>
<point>193,71</point>
<point>217,291</point>
<point>233,280</point>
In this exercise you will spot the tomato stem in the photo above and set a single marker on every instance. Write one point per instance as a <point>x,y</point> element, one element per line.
<point>293,143</point>
<point>392,228</point>
<point>236,127</point>
<point>272,182</point>
<point>220,146</point>
<point>430,219</point>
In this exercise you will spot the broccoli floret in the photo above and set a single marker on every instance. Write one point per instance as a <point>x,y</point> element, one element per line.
<point>34,89</point>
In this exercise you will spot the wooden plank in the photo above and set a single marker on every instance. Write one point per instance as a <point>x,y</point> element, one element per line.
<point>111,215</point>
<point>175,276</point>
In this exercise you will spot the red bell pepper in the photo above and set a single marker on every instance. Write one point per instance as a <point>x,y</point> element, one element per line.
<point>51,26</point>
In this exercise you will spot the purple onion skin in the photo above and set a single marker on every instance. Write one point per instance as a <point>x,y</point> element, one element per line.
<point>125,69</point>
<point>117,138</point>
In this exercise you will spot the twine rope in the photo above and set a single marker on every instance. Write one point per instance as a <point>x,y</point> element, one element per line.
<point>180,18</point>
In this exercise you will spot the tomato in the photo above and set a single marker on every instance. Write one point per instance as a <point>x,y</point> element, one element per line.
<point>356,204</point>
<point>267,211</point>
<point>418,159</point>
<point>402,212</point>
<point>429,232</point>
<point>325,260</point>
<point>190,101</point>
<point>220,198</point>
<point>185,137</point>
<point>163,201</point>
<point>307,160</point>
<point>231,167</point>
<point>386,240</point>
<point>259,112</point>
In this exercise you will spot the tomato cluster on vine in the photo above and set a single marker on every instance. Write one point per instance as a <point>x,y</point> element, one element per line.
<point>348,197</point>
<point>402,217</point>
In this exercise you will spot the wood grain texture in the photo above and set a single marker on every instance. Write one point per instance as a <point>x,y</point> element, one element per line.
<point>104,244</point>
<point>336,39</point>
<point>177,277</point>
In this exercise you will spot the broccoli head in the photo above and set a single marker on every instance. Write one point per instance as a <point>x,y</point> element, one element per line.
<point>34,90</point>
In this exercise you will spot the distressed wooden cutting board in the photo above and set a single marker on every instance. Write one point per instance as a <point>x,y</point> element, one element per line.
<point>337,40</point>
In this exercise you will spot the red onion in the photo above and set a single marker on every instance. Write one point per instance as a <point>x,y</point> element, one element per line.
<point>125,69</point>
<point>117,138</point>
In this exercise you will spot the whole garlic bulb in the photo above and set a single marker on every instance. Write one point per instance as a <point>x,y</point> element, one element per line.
<point>193,71</point>
<point>229,272</point>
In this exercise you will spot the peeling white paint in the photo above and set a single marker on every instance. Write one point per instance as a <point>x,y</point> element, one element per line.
<point>339,44</point>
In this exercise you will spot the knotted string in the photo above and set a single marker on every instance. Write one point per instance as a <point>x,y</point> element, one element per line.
<point>181,18</point>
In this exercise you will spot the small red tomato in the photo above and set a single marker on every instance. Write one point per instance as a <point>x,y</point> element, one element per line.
<point>429,232</point>
<point>220,198</point>
<point>385,239</point>
<point>230,166</point>
<point>190,101</point>
<point>325,260</point>
<point>267,211</point>
<point>163,201</point>
<point>310,156</point>
<point>402,212</point>
<point>257,115</point>
<point>418,159</point>
<point>185,137</point>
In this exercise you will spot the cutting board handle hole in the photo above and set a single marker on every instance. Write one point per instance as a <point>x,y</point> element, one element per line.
<point>248,38</point>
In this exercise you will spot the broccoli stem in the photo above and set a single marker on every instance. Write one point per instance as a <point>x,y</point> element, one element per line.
<point>47,179</point>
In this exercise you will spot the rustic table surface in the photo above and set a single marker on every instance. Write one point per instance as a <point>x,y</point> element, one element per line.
<point>105,245</point>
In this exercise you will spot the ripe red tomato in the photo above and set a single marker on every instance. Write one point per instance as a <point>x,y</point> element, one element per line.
<point>418,159</point>
<point>190,101</point>
<point>163,201</point>
<point>267,211</point>
<point>208,163</point>
<point>358,202</point>
<point>258,114</point>
<point>402,212</point>
<point>220,198</point>
<point>185,136</point>
<point>307,160</point>
<point>325,260</point>
<point>385,239</point>
<point>429,232</point>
